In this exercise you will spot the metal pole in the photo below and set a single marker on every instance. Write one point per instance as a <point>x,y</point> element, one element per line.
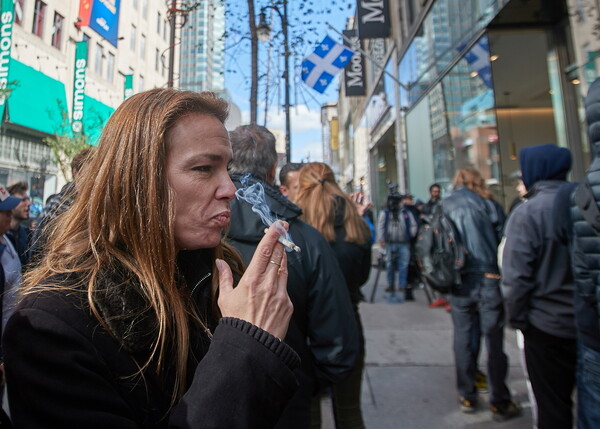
<point>172,20</point>
<point>288,131</point>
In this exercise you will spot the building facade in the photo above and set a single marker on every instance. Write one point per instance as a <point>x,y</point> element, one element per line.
<point>69,64</point>
<point>202,60</point>
<point>468,83</point>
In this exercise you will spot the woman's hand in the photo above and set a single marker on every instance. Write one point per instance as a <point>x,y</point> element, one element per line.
<point>261,296</point>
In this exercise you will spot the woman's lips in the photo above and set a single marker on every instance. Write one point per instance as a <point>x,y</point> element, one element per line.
<point>223,219</point>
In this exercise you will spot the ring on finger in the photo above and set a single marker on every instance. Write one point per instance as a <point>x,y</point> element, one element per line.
<point>275,263</point>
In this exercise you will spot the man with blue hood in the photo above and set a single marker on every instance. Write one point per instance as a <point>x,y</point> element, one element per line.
<point>538,286</point>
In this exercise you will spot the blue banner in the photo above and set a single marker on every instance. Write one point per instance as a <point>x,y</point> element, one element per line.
<point>104,19</point>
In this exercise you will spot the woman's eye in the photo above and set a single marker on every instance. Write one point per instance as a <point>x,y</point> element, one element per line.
<point>202,168</point>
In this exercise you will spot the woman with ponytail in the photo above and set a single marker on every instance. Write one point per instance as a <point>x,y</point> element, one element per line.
<point>327,208</point>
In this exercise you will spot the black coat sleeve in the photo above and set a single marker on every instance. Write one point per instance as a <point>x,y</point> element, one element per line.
<point>61,376</point>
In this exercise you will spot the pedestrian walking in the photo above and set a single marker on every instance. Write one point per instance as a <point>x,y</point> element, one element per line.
<point>477,306</point>
<point>323,329</point>
<point>538,286</point>
<point>326,207</point>
<point>131,318</point>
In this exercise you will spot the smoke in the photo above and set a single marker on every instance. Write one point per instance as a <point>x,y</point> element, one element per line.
<point>255,196</point>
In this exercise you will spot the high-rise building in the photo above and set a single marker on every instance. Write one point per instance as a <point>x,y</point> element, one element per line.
<point>202,60</point>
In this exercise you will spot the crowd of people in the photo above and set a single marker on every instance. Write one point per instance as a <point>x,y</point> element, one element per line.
<point>155,294</point>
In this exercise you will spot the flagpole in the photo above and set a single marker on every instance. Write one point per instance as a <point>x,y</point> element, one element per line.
<point>359,49</point>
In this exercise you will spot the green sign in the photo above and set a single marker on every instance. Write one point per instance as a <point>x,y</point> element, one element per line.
<point>128,86</point>
<point>79,87</point>
<point>7,18</point>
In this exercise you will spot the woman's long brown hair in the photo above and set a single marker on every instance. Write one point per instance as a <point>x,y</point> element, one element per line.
<point>472,179</point>
<point>316,190</point>
<point>123,216</point>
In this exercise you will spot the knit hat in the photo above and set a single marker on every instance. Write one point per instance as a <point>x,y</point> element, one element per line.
<point>544,162</point>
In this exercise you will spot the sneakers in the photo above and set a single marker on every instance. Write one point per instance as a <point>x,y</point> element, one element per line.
<point>481,382</point>
<point>466,406</point>
<point>440,302</point>
<point>506,412</point>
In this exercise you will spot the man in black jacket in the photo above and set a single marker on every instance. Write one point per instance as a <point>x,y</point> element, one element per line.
<point>477,302</point>
<point>586,270</point>
<point>323,330</point>
<point>538,285</point>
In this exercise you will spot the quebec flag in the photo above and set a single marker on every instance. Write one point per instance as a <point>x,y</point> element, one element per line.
<point>320,67</point>
<point>478,59</point>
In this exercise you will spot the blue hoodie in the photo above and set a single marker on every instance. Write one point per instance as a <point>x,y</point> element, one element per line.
<point>544,162</point>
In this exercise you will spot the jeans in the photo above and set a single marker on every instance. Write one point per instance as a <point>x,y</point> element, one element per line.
<point>398,258</point>
<point>479,298</point>
<point>588,388</point>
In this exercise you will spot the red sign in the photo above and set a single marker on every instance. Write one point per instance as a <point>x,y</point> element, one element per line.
<point>85,11</point>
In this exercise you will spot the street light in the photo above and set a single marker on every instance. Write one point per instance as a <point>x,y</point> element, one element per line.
<point>263,31</point>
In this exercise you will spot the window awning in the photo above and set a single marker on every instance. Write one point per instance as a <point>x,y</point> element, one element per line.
<point>38,101</point>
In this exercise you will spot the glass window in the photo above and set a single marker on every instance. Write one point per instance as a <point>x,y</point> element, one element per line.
<point>156,59</point>
<point>38,18</point>
<point>19,8</point>
<point>143,46</point>
<point>472,139</point>
<point>133,37</point>
<point>141,84</point>
<point>110,67</point>
<point>145,8</point>
<point>135,4</point>
<point>98,65</point>
<point>158,22</point>
<point>57,30</point>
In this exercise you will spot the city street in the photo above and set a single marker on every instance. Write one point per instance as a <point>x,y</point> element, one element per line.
<point>409,380</point>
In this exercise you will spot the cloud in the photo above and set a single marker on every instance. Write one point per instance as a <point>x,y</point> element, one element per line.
<point>313,150</point>
<point>302,119</point>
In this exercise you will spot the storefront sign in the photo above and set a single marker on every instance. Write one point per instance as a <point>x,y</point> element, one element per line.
<point>7,18</point>
<point>373,18</point>
<point>354,73</point>
<point>102,16</point>
<point>79,86</point>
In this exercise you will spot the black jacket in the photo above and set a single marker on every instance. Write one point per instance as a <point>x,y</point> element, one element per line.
<point>479,223</point>
<point>354,259</point>
<point>586,243</point>
<point>323,330</point>
<point>65,370</point>
<point>536,272</point>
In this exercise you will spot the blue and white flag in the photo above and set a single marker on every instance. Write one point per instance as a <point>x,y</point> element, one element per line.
<point>320,67</point>
<point>478,59</point>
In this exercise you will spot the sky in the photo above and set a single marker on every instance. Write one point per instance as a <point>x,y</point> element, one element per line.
<point>305,113</point>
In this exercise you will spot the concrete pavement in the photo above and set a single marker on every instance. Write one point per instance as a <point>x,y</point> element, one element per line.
<point>409,379</point>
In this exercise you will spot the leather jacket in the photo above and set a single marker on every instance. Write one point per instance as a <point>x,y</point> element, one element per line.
<point>479,223</point>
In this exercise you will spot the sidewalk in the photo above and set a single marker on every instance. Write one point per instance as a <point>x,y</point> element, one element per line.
<point>409,379</point>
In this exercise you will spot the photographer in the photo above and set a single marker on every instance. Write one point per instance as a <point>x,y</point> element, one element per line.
<point>395,229</point>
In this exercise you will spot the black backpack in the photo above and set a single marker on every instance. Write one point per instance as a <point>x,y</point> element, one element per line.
<point>439,253</point>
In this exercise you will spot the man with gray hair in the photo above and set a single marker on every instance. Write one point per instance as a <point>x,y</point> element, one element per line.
<point>323,330</point>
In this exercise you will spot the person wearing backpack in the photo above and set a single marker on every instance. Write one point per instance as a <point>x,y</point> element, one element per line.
<point>538,286</point>
<point>586,271</point>
<point>396,227</point>
<point>479,221</point>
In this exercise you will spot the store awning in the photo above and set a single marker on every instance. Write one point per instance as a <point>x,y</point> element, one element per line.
<point>95,115</point>
<point>38,101</point>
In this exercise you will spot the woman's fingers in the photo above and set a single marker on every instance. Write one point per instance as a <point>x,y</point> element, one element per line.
<point>225,276</point>
<point>269,251</point>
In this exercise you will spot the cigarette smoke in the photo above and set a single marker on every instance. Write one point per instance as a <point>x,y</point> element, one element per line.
<point>255,196</point>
